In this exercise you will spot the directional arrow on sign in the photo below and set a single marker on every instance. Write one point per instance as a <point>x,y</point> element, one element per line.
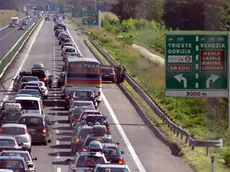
<point>181,78</point>
<point>212,78</point>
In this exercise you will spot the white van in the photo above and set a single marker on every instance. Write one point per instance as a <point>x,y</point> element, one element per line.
<point>30,104</point>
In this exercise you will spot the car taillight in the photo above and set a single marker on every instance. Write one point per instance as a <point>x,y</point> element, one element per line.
<point>74,169</point>
<point>25,131</point>
<point>76,140</point>
<point>69,99</point>
<point>65,54</point>
<point>74,118</point>
<point>44,130</point>
<point>121,161</point>
<point>43,89</point>
<point>1,130</point>
<point>108,127</point>
<point>84,149</point>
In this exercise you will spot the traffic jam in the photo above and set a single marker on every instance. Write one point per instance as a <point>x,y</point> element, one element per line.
<point>24,122</point>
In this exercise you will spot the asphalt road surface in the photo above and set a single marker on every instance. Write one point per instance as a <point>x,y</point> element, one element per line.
<point>9,36</point>
<point>143,151</point>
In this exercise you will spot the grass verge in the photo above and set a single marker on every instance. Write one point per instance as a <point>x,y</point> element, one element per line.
<point>5,16</point>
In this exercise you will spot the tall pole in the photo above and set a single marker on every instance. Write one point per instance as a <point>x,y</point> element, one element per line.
<point>95,5</point>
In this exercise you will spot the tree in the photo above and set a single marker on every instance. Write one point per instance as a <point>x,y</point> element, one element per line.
<point>126,9</point>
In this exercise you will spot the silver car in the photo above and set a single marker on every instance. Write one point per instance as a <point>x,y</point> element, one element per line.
<point>111,167</point>
<point>24,154</point>
<point>19,131</point>
<point>43,87</point>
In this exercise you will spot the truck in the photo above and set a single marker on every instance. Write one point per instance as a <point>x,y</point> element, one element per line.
<point>15,20</point>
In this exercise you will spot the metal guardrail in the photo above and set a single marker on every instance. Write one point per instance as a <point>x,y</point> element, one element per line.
<point>179,131</point>
<point>9,57</point>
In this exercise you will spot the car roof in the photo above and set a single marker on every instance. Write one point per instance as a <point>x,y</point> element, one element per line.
<point>16,151</point>
<point>92,111</point>
<point>33,115</point>
<point>14,125</point>
<point>12,157</point>
<point>82,101</point>
<point>34,82</point>
<point>90,153</point>
<point>85,59</point>
<point>28,89</point>
<point>28,82</point>
<point>27,98</point>
<point>30,76</point>
<point>3,136</point>
<point>6,170</point>
<point>114,145</point>
<point>69,47</point>
<point>112,165</point>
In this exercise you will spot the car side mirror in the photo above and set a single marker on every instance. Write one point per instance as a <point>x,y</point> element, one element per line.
<point>34,158</point>
<point>122,152</point>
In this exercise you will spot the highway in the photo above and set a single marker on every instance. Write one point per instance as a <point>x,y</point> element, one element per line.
<point>9,36</point>
<point>143,151</point>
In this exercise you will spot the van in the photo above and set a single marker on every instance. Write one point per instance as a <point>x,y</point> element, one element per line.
<point>30,104</point>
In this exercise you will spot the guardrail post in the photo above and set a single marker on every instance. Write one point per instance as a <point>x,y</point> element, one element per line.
<point>212,164</point>
<point>207,151</point>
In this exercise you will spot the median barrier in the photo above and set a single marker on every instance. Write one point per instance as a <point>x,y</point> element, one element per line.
<point>10,56</point>
<point>179,131</point>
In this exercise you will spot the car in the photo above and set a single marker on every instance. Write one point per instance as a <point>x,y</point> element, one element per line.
<point>111,168</point>
<point>21,27</point>
<point>78,137</point>
<point>20,132</point>
<point>87,112</point>
<point>11,25</point>
<point>30,87</point>
<point>112,153</point>
<point>69,44</point>
<point>64,40</point>
<point>38,66</point>
<point>17,80</point>
<point>43,87</point>
<point>11,113</point>
<point>8,142</point>
<point>24,154</point>
<point>43,75</point>
<point>47,18</point>
<point>108,74</point>
<point>86,95</point>
<point>84,161</point>
<point>2,103</point>
<point>26,79</point>
<point>67,50</point>
<point>24,22</point>
<point>30,104</point>
<point>39,127</point>
<point>32,92</point>
<point>15,163</point>
<point>30,83</point>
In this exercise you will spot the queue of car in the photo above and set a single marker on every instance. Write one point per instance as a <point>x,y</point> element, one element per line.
<point>92,145</point>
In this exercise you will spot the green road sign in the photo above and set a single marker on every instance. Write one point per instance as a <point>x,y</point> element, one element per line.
<point>196,65</point>
<point>91,18</point>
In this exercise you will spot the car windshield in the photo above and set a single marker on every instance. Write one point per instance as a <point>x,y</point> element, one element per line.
<point>7,142</point>
<point>13,130</point>
<point>32,92</point>
<point>23,155</point>
<point>31,121</point>
<point>11,164</point>
<point>111,169</point>
<point>86,161</point>
<point>28,104</point>
<point>10,117</point>
<point>38,73</point>
<point>102,140</point>
<point>27,79</point>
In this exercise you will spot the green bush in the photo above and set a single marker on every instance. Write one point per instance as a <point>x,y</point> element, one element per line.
<point>225,154</point>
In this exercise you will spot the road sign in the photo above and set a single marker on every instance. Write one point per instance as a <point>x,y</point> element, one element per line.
<point>197,65</point>
<point>91,18</point>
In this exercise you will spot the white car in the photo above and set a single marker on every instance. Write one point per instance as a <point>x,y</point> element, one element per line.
<point>111,167</point>
<point>67,50</point>
<point>43,87</point>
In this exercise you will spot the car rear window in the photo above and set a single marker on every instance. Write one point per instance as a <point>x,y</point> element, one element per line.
<point>28,91</point>
<point>24,84</point>
<point>80,104</point>
<point>31,121</point>
<point>7,142</point>
<point>38,73</point>
<point>84,132</point>
<point>107,70</point>
<point>23,155</point>
<point>102,140</point>
<point>111,169</point>
<point>70,50</point>
<point>9,116</point>
<point>27,79</point>
<point>11,164</point>
<point>83,94</point>
<point>86,161</point>
<point>28,104</point>
<point>13,130</point>
<point>111,151</point>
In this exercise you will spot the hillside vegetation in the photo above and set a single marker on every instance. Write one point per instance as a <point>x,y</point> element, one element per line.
<point>5,16</point>
<point>204,118</point>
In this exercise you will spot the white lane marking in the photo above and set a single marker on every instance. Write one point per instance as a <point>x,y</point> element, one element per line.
<point>7,35</point>
<point>58,169</point>
<point>120,129</point>
<point>58,155</point>
<point>124,136</point>
<point>57,142</point>
<point>57,131</point>
<point>25,58</point>
<point>73,41</point>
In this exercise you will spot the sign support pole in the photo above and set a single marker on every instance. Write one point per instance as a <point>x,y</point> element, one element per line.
<point>228,84</point>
